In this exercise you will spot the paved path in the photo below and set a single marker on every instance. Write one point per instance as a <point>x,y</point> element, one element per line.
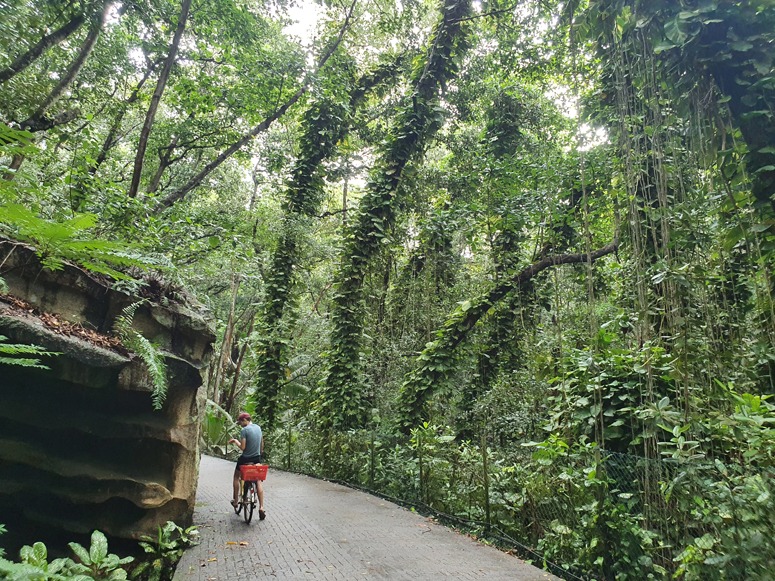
<point>318,530</point>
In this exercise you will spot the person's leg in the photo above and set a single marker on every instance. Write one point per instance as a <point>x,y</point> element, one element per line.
<point>236,486</point>
<point>260,495</point>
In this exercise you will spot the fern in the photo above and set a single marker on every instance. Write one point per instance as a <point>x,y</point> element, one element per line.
<point>145,350</point>
<point>9,351</point>
<point>56,242</point>
<point>15,141</point>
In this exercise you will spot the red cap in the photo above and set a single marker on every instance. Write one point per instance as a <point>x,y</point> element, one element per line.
<point>243,416</point>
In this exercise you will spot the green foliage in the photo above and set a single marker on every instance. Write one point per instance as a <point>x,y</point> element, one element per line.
<point>164,551</point>
<point>148,353</point>
<point>96,563</point>
<point>731,510</point>
<point>565,123</point>
<point>217,429</point>
<point>14,142</point>
<point>69,240</point>
<point>34,566</point>
<point>341,403</point>
<point>9,354</point>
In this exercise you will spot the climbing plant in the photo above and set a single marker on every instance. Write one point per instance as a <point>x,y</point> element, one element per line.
<point>148,353</point>
<point>341,398</point>
<point>325,124</point>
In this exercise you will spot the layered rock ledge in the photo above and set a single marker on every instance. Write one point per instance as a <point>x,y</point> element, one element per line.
<point>81,447</point>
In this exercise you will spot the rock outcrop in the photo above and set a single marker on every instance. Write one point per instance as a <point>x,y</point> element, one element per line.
<point>81,447</point>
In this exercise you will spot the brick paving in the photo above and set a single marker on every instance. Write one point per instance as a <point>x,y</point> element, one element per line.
<point>319,530</point>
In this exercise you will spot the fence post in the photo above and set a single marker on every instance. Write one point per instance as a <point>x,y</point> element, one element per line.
<point>419,464</point>
<point>371,462</point>
<point>288,453</point>
<point>486,480</point>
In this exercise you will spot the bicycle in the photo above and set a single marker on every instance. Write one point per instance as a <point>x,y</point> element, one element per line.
<point>250,474</point>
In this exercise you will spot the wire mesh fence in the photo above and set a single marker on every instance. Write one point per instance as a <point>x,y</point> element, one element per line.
<point>583,513</point>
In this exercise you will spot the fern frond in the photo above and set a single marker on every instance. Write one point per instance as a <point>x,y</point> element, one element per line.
<point>56,242</point>
<point>147,352</point>
<point>123,323</point>
<point>156,368</point>
<point>22,362</point>
<point>8,351</point>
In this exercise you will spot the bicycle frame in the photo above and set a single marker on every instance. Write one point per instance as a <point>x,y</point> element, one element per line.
<point>250,474</point>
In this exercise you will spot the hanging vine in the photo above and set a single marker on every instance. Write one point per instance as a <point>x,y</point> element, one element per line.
<point>341,398</point>
<point>326,123</point>
<point>436,362</point>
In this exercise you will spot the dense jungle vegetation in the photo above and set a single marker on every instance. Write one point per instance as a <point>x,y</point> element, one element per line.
<point>509,260</point>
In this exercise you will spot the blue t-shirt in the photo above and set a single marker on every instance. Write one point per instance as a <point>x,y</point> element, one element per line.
<point>252,436</point>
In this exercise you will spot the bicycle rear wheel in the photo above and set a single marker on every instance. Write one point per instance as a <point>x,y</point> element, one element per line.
<point>249,501</point>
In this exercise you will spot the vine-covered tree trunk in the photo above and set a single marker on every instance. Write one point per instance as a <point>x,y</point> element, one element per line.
<point>325,123</point>
<point>341,397</point>
<point>436,361</point>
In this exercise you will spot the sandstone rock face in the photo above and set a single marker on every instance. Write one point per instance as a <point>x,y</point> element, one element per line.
<point>81,447</point>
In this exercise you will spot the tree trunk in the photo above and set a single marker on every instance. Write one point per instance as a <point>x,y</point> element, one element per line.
<point>110,140</point>
<point>260,128</point>
<point>431,370</point>
<point>145,132</point>
<point>74,68</point>
<point>229,400</point>
<point>29,57</point>
<point>164,163</point>
<point>226,344</point>
<point>302,203</point>
<point>341,398</point>
<point>38,121</point>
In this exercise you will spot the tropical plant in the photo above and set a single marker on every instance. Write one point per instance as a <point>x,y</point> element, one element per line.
<point>96,563</point>
<point>10,352</point>
<point>218,427</point>
<point>34,566</point>
<point>148,353</point>
<point>164,551</point>
<point>70,240</point>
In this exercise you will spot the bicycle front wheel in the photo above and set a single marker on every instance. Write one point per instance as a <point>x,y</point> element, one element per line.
<point>249,501</point>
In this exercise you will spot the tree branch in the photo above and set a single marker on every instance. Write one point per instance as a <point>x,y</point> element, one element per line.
<point>261,127</point>
<point>26,59</point>
<point>75,66</point>
<point>430,372</point>
<point>145,132</point>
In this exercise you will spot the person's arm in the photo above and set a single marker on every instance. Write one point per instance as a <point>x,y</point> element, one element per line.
<point>239,443</point>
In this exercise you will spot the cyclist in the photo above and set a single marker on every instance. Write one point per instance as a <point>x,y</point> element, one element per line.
<point>251,443</point>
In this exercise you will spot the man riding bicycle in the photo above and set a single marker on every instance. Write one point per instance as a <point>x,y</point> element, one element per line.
<point>251,443</point>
